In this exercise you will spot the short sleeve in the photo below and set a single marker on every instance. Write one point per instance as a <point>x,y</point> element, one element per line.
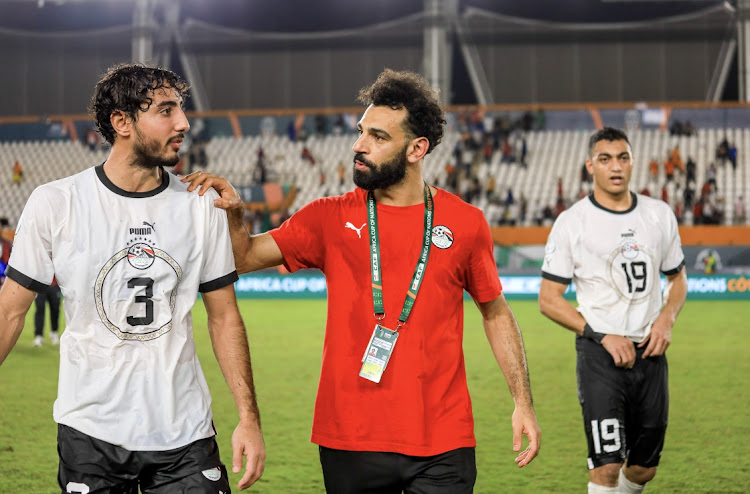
<point>218,269</point>
<point>673,259</point>
<point>558,263</point>
<point>30,264</point>
<point>300,237</point>
<point>483,282</point>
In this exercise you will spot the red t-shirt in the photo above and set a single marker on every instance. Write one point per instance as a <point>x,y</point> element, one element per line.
<point>421,406</point>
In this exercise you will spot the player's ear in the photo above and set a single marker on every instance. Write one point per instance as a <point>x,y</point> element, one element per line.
<point>121,123</point>
<point>589,166</point>
<point>417,149</point>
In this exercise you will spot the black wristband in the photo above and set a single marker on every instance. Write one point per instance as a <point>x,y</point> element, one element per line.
<point>592,335</point>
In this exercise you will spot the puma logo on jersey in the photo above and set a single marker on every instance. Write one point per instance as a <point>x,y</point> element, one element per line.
<point>352,227</point>
<point>144,231</point>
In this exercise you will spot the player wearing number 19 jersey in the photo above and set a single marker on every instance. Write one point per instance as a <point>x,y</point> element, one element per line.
<point>612,245</point>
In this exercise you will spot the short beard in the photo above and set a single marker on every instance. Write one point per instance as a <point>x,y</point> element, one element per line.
<point>147,154</point>
<point>380,177</point>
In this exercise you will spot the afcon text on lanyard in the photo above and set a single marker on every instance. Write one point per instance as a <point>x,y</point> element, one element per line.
<point>383,340</point>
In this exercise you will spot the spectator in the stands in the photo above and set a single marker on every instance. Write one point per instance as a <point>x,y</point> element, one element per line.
<point>722,151</point>
<point>17,173</point>
<point>341,172</point>
<point>711,175</point>
<point>507,151</point>
<point>676,159</point>
<point>523,150</point>
<point>689,194</point>
<point>307,156</point>
<point>523,205</point>
<point>490,187</point>
<point>733,156</point>
<point>669,169</point>
<point>494,212</point>
<point>653,170</point>
<point>509,198</point>
<point>690,168</point>
<point>678,212</point>
<point>92,139</point>
<point>698,212</point>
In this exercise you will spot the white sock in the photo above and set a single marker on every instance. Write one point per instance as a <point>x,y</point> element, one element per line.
<point>601,489</point>
<point>625,486</point>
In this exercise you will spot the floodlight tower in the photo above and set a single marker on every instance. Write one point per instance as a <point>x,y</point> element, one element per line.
<point>440,18</point>
<point>743,42</point>
<point>144,27</point>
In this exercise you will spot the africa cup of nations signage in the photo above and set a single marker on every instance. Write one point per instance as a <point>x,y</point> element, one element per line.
<point>312,284</point>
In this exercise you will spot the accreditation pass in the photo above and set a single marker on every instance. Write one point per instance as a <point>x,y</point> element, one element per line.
<point>378,353</point>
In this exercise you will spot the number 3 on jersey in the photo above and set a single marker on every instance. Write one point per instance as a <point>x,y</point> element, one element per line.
<point>143,299</point>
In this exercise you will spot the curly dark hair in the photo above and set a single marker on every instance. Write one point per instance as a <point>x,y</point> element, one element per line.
<point>607,134</point>
<point>127,88</point>
<point>404,89</point>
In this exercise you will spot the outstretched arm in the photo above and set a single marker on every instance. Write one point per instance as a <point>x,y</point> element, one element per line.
<point>507,346</point>
<point>660,336</point>
<point>230,345</point>
<point>251,252</point>
<point>15,301</point>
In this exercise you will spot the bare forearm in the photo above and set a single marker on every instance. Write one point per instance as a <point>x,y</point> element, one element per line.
<point>251,252</point>
<point>554,306</point>
<point>506,342</point>
<point>232,352</point>
<point>10,329</point>
<point>15,301</point>
<point>241,240</point>
<point>676,295</point>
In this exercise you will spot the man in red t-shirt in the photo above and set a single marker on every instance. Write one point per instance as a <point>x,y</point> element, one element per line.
<point>393,411</point>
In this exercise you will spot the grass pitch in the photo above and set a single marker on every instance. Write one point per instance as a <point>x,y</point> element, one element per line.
<point>707,448</point>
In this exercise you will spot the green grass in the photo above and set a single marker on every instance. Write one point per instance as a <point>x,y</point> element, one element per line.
<point>706,451</point>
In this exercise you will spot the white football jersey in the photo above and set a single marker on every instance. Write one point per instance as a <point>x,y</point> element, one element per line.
<point>614,259</point>
<point>130,266</point>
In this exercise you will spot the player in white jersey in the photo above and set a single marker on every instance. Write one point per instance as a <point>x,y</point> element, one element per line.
<point>131,249</point>
<point>612,246</point>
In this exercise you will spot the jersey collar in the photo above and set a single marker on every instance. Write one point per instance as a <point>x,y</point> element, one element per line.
<point>633,204</point>
<point>149,193</point>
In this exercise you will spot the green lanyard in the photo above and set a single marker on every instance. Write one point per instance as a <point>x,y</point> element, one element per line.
<point>377,279</point>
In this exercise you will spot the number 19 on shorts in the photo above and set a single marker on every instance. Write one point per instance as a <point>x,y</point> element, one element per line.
<point>606,435</point>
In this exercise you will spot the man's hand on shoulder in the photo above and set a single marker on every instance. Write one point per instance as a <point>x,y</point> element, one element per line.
<point>229,198</point>
<point>247,441</point>
<point>621,349</point>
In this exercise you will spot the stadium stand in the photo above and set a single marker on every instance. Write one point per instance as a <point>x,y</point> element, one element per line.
<point>553,155</point>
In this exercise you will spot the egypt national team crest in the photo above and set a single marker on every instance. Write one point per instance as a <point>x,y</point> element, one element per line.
<point>442,237</point>
<point>136,289</point>
<point>141,256</point>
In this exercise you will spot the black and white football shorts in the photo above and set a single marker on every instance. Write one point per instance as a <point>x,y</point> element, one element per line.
<point>624,410</point>
<point>90,465</point>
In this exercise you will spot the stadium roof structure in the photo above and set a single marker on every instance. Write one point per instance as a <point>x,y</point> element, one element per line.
<point>326,15</point>
<point>183,31</point>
